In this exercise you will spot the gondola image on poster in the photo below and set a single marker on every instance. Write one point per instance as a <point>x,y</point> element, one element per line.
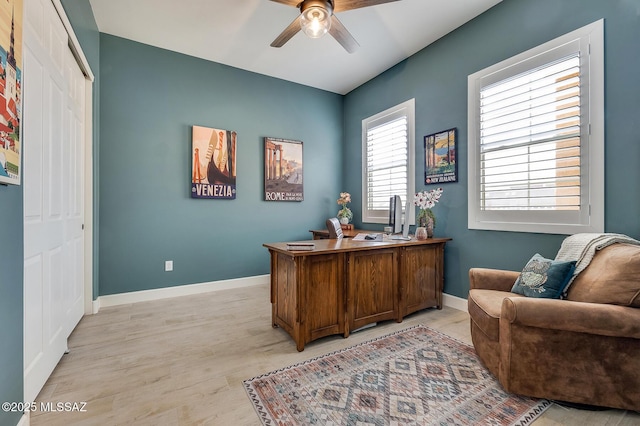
<point>214,163</point>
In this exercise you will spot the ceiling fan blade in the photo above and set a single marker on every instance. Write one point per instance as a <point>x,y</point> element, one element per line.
<point>288,32</point>
<point>343,5</point>
<point>344,37</point>
<point>293,3</point>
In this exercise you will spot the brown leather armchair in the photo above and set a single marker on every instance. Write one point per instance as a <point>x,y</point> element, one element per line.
<point>585,349</point>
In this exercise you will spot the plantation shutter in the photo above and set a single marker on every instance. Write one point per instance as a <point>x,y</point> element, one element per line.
<point>536,138</point>
<point>530,137</point>
<point>387,162</point>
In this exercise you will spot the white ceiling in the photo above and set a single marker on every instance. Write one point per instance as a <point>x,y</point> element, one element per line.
<point>238,33</point>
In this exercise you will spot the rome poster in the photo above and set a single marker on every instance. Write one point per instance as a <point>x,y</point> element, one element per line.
<point>214,163</point>
<point>283,170</point>
<point>10,90</point>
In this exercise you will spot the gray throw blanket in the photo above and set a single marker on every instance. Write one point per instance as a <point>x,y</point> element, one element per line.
<point>582,248</point>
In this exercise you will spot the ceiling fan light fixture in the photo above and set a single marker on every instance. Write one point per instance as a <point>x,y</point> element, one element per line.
<point>315,21</point>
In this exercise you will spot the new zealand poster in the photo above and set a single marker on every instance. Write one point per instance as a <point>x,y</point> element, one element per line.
<point>283,170</point>
<point>10,90</point>
<point>214,163</point>
<point>440,164</point>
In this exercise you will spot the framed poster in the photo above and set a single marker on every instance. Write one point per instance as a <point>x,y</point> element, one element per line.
<point>10,90</point>
<point>440,164</point>
<point>282,170</point>
<point>214,163</point>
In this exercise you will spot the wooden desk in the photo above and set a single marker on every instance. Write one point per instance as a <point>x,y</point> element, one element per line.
<point>323,234</point>
<point>343,285</point>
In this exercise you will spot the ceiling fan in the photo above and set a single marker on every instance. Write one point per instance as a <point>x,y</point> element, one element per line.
<point>317,18</point>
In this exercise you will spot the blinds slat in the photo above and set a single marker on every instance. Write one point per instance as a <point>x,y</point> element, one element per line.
<point>551,136</point>
<point>534,74</point>
<point>527,118</point>
<point>541,96</point>
<point>562,147</point>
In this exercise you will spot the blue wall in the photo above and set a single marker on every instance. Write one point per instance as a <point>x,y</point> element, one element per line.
<point>437,78</point>
<point>150,98</point>
<point>140,195</point>
<point>11,290</point>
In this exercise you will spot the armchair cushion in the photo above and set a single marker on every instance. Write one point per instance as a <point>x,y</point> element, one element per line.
<point>485,307</point>
<point>544,278</point>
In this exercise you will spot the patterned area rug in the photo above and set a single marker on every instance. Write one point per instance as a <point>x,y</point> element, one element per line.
<point>416,376</point>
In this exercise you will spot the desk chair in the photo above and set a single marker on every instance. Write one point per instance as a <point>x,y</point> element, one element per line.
<point>334,228</point>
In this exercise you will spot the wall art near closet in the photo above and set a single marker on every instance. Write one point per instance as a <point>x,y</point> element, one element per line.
<point>283,170</point>
<point>10,90</point>
<point>214,163</point>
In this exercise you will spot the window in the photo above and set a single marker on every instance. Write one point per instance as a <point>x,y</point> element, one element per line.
<point>388,153</point>
<point>536,138</point>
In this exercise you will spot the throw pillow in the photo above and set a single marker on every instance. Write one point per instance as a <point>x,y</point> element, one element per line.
<point>544,278</point>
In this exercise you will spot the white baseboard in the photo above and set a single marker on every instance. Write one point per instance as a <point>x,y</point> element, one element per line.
<point>25,420</point>
<point>189,289</point>
<point>454,302</point>
<point>176,291</point>
<point>96,306</point>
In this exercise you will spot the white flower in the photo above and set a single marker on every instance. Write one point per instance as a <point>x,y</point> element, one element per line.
<point>427,199</point>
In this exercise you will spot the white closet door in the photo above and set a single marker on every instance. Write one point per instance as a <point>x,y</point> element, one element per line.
<point>53,193</point>
<point>73,177</point>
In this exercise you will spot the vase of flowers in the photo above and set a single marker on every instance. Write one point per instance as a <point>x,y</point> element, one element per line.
<point>426,200</point>
<point>344,214</point>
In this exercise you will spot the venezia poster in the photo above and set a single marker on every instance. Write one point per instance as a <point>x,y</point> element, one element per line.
<point>214,163</point>
<point>283,170</point>
<point>10,90</point>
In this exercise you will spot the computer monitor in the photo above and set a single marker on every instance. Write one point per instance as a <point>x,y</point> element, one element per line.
<point>395,214</point>
<point>405,228</point>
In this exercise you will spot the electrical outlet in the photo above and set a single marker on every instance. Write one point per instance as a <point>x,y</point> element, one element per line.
<point>168,265</point>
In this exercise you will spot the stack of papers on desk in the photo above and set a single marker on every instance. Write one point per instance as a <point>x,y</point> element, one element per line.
<point>368,237</point>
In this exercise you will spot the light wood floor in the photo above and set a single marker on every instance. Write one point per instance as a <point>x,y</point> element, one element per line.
<point>182,362</point>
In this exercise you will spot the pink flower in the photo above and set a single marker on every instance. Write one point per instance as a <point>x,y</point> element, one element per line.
<point>345,198</point>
